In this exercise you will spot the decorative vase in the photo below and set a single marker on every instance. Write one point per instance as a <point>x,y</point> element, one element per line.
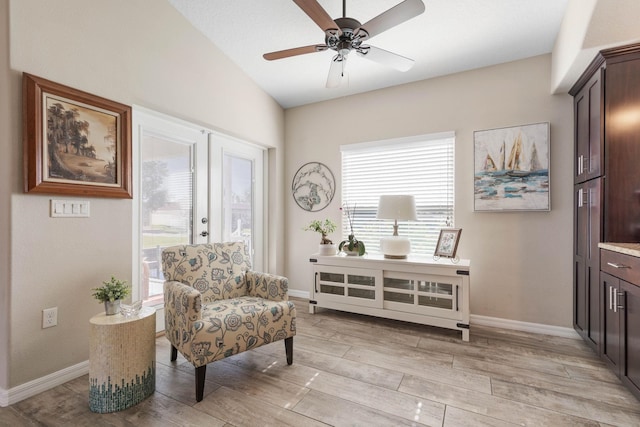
<point>352,247</point>
<point>327,249</point>
<point>111,308</point>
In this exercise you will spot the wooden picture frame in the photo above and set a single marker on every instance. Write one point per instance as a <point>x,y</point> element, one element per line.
<point>74,143</point>
<point>447,245</point>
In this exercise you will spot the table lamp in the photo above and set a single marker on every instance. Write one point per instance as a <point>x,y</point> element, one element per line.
<point>396,207</point>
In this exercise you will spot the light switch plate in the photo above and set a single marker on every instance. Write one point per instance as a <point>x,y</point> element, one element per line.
<point>69,208</point>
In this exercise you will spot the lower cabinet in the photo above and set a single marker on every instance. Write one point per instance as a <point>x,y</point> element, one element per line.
<point>418,290</point>
<point>620,320</point>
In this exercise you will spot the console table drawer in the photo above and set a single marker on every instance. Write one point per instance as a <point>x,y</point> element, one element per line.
<point>622,266</point>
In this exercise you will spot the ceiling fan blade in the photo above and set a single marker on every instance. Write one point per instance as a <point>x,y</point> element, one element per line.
<point>336,71</point>
<point>385,57</point>
<point>320,16</point>
<point>294,51</point>
<point>396,15</point>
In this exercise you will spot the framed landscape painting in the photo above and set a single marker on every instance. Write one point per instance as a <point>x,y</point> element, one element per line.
<point>511,169</point>
<point>75,143</point>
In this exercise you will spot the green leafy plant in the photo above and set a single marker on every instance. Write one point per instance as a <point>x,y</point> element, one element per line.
<point>111,290</point>
<point>323,227</point>
<point>352,244</point>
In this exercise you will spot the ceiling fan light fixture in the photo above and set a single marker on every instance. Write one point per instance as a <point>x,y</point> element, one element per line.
<point>350,34</point>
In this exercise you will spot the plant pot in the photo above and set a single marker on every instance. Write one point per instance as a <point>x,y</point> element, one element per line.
<point>327,249</point>
<point>111,308</point>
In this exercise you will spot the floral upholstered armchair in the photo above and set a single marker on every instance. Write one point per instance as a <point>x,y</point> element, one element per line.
<point>215,306</point>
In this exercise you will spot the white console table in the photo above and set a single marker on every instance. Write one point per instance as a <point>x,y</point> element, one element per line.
<point>417,289</point>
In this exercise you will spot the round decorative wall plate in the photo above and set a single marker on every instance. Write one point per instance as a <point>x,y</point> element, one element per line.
<point>313,186</point>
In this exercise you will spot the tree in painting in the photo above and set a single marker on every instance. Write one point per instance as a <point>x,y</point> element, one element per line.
<point>71,156</point>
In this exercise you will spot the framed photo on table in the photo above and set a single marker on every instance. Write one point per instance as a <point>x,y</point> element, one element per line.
<point>447,243</point>
<point>75,143</point>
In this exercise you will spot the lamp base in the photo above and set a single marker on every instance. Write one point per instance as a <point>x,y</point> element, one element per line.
<point>395,247</point>
<point>395,256</point>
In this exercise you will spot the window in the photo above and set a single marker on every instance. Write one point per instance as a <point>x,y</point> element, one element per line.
<point>420,166</point>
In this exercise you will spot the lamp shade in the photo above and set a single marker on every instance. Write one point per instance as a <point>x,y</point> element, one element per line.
<point>398,207</point>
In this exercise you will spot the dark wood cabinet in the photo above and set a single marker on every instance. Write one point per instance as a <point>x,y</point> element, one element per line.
<point>622,136</point>
<point>606,304</point>
<point>620,292</point>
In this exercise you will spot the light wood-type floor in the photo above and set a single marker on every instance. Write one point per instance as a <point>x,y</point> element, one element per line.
<point>352,370</point>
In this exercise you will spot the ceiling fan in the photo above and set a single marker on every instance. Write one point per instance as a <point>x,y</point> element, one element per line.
<point>343,35</point>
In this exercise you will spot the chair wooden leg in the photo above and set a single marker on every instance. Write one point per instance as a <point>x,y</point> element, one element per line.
<point>288,346</point>
<point>174,353</point>
<point>201,372</point>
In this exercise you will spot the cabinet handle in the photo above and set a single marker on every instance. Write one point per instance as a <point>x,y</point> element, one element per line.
<point>617,265</point>
<point>615,301</point>
<point>580,164</point>
<point>457,304</point>
<point>581,197</point>
<point>610,297</point>
<point>620,306</point>
<point>315,283</point>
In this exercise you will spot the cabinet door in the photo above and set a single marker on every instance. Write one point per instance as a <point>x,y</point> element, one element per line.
<point>610,287</point>
<point>622,129</point>
<point>594,230</point>
<point>432,295</point>
<point>588,140</point>
<point>629,306</point>
<point>587,235</point>
<point>581,234</point>
<point>355,286</point>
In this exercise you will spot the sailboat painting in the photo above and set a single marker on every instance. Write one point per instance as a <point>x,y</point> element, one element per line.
<point>511,168</point>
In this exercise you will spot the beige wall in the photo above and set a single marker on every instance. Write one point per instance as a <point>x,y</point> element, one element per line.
<point>7,170</point>
<point>521,262</point>
<point>140,52</point>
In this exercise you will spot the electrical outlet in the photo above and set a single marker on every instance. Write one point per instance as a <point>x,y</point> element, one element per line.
<point>49,317</point>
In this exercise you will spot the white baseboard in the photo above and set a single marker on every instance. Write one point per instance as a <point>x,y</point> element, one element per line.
<point>298,294</point>
<point>495,322</point>
<point>31,388</point>
<point>516,325</point>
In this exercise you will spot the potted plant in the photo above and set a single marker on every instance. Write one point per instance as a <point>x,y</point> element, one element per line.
<point>111,293</point>
<point>324,228</point>
<point>351,246</point>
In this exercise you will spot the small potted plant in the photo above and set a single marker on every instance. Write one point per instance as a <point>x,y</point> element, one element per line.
<point>111,294</point>
<point>324,228</point>
<point>352,246</point>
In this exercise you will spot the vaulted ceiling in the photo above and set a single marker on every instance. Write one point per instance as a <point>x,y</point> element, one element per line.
<point>449,37</point>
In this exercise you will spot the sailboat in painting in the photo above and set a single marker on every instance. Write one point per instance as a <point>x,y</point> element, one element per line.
<point>515,163</point>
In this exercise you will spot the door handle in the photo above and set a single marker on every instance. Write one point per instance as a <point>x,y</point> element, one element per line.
<point>204,233</point>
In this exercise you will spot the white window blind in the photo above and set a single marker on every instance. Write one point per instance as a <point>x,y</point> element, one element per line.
<point>419,166</point>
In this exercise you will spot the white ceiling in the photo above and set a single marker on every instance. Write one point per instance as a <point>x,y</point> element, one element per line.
<point>449,37</point>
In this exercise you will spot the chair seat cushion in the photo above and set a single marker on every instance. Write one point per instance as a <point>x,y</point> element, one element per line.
<point>231,326</point>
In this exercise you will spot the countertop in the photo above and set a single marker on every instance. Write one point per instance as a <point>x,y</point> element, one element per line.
<point>632,249</point>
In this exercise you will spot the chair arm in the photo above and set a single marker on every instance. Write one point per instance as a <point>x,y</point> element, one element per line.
<point>268,286</point>
<point>182,307</point>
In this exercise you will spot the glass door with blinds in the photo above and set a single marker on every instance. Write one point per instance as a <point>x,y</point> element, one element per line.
<point>194,186</point>
<point>238,181</point>
<point>172,195</point>
<point>421,166</point>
